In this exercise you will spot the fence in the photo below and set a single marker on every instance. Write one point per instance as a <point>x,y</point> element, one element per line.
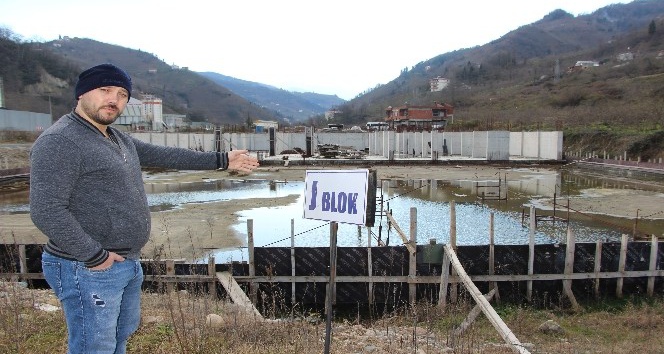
<point>488,145</point>
<point>406,274</point>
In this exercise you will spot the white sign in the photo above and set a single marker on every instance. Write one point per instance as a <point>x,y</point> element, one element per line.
<point>336,195</point>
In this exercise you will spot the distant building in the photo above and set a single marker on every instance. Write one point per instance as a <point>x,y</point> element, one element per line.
<point>153,111</point>
<point>438,83</point>
<point>418,118</point>
<point>175,121</point>
<point>586,63</point>
<point>374,126</point>
<point>143,114</point>
<point>265,125</point>
<point>625,56</point>
<point>202,126</point>
<point>331,113</point>
<point>132,116</point>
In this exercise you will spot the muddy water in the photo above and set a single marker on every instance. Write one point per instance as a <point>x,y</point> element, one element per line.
<point>475,200</point>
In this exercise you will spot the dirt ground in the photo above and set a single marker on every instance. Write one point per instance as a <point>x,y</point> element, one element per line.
<point>191,231</point>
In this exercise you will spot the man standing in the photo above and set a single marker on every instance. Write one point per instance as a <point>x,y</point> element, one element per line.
<point>87,197</point>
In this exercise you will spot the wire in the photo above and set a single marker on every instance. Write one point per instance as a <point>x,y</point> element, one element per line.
<point>410,191</point>
<point>298,234</point>
<point>647,216</point>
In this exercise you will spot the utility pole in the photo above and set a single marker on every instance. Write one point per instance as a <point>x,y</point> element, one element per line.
<point>2,92</point>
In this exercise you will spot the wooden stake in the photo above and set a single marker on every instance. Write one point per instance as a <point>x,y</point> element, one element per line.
<point>598,266</point>
<point>531,253</point>
<point>653,264</point>
<point>492,257</point>
<point>453,244</point>
<point>621,265</point>
<point>569,269</point>
<point>412,264</point>
<point>292,255</point>
<point>252,262</point>
<point>212,272</point>
<point>488,310</point>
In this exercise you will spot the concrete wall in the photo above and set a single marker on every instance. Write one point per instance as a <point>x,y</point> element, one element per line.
<point>194,141</point>
<point>539,145</point>
<point>24,121</point>
<point>488,145</point>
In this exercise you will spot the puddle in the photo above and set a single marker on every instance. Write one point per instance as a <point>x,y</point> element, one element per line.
<point>475,200</point>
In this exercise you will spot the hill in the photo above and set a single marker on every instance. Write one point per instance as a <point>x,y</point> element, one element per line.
<point>523,81</point>
<point>293,106</point>
<point>35,73</point>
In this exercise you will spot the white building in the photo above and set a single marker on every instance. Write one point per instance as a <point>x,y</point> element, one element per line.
<point>132,114</point>
<point>143,114</point>
<point>586,63</point>
<point>438,83</point>
<point>174,121</point>
<point>153,111</point>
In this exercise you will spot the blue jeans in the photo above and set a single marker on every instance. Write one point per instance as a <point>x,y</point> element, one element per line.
<point>101,308</point>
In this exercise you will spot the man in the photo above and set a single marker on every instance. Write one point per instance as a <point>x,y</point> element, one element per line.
<point>87,197</point>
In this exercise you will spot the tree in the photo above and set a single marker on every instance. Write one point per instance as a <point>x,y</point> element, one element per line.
<point>652,28</point>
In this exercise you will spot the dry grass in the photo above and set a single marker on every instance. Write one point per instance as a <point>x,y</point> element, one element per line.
<point>176,323</point>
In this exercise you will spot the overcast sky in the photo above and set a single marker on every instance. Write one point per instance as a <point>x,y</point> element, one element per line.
<point>341,47</point>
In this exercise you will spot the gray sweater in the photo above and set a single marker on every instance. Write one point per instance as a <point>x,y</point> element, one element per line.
<point>86,191</point>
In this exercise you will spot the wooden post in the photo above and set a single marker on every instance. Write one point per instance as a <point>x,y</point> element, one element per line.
<point>472,315</point>
<point>488,310</point>
<point>22,261</point>
<point>492,256</point>
<point>23,265</point>
<point>531,253</point>
<point>212,272</point>
<point>569,269</point>
<point>653,264</point>
<point>369,267</point>
<point>292,261</point>
<point>252,263</point>
<point>330,300</point>
<point>412,264</point>
<point>402,235</point>
<point>170,270</point>
<point>621,265</point>
<point>453,245</point>
<point>444,281</point>
<point>598,266</point>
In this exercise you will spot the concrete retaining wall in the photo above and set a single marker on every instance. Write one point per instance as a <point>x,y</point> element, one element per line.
<point>24,121</point>
<point>540,145</point>
<point>487,145</point>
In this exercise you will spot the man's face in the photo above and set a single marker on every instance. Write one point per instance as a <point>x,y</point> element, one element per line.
<point>104,104</point>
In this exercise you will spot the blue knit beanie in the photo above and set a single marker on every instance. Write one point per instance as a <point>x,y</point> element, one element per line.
<point>100,76</point>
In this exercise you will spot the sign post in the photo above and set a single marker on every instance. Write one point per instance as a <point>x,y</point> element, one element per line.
<point>335,196</point>
<point>331,286</point>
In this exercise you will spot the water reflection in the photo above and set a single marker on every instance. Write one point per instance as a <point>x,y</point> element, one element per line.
<point>431,198</point>
<point>173,195</point>
<point>475,199</point>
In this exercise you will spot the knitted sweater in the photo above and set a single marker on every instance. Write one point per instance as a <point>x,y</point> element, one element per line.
<point>86,191</point>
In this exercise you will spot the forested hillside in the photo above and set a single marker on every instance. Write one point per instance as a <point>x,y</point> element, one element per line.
<point>34,73</point>
<point>527,80</point>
